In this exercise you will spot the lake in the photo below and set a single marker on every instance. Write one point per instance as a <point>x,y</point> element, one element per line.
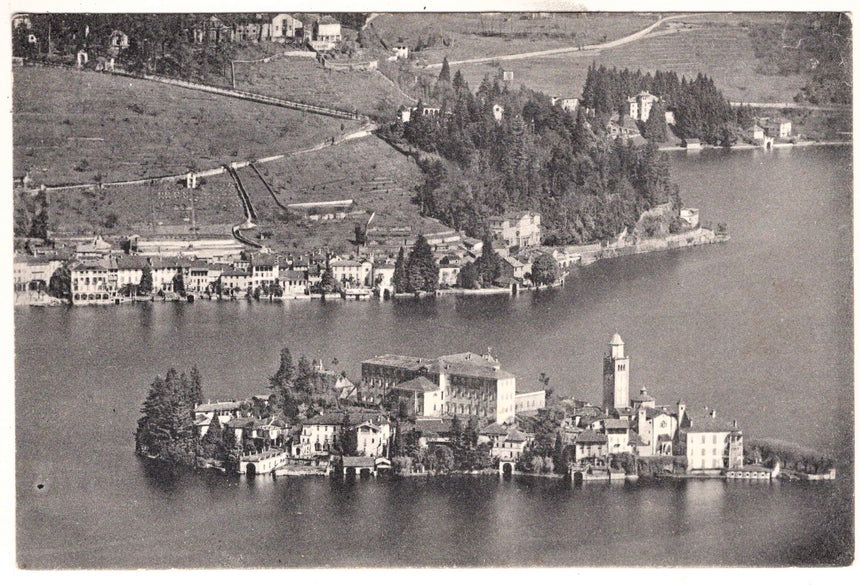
<point>759,328</point>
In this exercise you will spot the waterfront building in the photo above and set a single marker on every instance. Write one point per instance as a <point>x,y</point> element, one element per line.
<point>617,436</point>
<point>711,445</point>
<point>511,446</point>
<point>294,282</point>
<point>616,375</point>
<point>234,280</point>
<point>263,269</point>
<point>32,272</point>
<point>93,281</point>
<point>517,228</point>
<point>372,438</point>
<point>165,270</point>
<point>129,271</point>
<point>590,446</point>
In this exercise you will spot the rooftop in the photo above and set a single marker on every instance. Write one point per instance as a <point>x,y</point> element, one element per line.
<point>419,384</point>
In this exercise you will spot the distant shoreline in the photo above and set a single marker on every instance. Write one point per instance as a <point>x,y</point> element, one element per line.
<point>756,147</point>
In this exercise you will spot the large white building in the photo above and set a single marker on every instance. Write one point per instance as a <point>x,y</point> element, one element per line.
<point>517,228</point>
<point>464,384</point>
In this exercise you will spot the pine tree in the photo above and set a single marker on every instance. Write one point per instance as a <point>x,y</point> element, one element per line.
<point>211,446</point>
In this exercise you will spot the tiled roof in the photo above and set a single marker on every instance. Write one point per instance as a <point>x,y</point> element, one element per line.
<point>515,436</point>
<point>494,429</point>
<point>590,437</point>
<point>615,424</point>
<point>131,262</point>
<point>329,418</point>
<point>433,425</point>
<point>707,424</point>
<point>399,361</point>
<point>419,384</point>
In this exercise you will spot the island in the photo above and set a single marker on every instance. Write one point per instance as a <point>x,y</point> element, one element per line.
<point>457,413</point>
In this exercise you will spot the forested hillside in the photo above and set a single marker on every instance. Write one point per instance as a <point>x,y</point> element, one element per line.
<point>537,156</point>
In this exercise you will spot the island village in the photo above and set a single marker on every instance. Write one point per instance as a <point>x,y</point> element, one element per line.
<point>463,413</point>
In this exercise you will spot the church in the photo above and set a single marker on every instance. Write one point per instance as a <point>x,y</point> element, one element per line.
<point>709,443</point>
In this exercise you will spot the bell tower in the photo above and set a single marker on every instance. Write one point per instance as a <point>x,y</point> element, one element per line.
<point>616,376</point>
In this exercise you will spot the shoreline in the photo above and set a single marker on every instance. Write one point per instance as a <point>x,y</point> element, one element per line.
<point>774,146</point>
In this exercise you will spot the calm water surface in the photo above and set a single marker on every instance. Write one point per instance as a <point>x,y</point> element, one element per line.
<point>759,328</point>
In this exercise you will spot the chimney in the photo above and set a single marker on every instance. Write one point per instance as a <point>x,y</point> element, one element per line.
<point>713,414</point>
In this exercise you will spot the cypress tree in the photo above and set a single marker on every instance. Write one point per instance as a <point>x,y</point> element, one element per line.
<point>445,73</point>
<point>400,280</point>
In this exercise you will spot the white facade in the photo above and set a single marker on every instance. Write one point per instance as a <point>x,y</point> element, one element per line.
<point>517,229</point>
<point>372,439</point>
<point>640,105</point>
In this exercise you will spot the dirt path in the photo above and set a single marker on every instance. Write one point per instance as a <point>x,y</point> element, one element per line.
<point>609,45</point>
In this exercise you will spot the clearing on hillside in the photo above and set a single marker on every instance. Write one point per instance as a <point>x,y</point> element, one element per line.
<point>304,79</point>
<point>718,47</point>
<point>475,35</point>
<point>80,126</point>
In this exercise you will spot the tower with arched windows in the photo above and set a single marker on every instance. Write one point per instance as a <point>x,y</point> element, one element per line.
<point>616,376</point>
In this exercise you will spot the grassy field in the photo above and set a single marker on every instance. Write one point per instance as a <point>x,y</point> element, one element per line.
<point>377,177</point>
<point>472,35</point>
<point>76,126</point>
<point>717,45</point>
<point>303,79</point>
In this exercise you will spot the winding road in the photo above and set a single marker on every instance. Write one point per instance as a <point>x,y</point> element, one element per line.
<point>609,45</point>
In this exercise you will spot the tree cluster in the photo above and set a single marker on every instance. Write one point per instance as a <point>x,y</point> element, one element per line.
<point>417,272</point>
<point>538,156</point>
<point>300,384</point>
<point>484,271</point>
<point>815,45</point>
<point>700,109</point>
<point>166,430</point>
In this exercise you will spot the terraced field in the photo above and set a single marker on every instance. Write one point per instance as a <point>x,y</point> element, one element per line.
<point>721,49</point>
<point>378,178</point>
<point>304,79</point>
<point>79,126</point>
<point>160,208</point>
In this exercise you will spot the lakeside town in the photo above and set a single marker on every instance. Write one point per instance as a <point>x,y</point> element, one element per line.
<point>458,413</point>
<point>97,273</point>
<point>111,238</point>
